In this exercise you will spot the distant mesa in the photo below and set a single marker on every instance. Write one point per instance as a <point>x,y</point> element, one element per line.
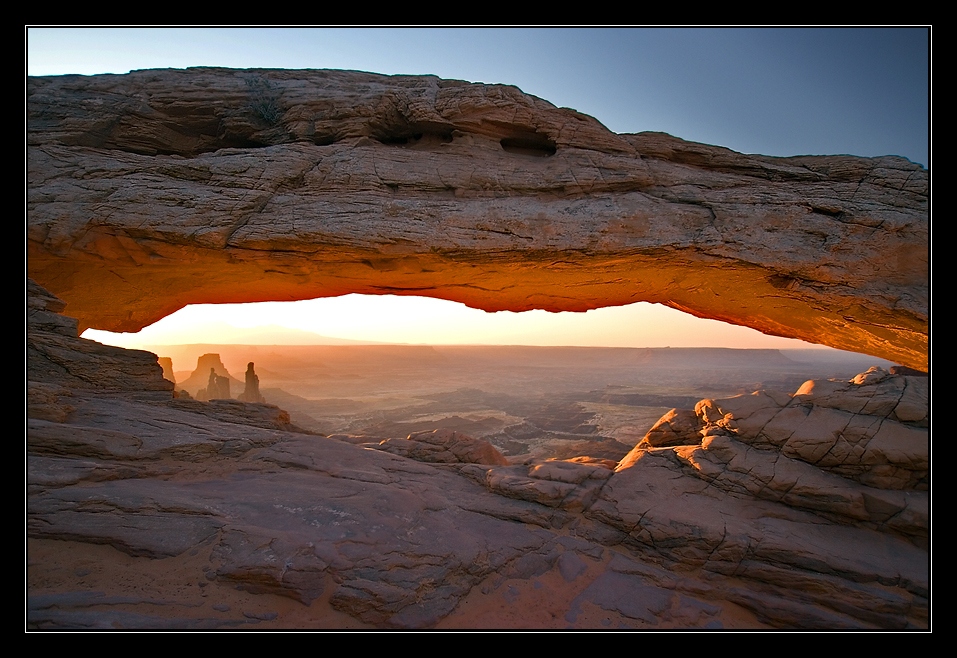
<point>210,380</point>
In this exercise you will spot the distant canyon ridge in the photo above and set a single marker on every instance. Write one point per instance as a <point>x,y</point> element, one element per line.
<point>162,188</point>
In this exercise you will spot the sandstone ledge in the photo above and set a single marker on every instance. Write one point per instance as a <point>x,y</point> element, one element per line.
<point>153,190</point>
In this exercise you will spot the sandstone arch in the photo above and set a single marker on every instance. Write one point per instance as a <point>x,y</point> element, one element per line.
<point>153,190</point>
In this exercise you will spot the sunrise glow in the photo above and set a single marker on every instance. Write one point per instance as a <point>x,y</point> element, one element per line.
<point>424,320</point>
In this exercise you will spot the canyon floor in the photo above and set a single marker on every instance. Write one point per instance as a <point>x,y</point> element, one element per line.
<point>541,402</point>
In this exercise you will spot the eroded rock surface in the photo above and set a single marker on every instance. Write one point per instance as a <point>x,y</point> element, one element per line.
<point>157,189</point>
<point>743,526</point>
<point>444,446</point>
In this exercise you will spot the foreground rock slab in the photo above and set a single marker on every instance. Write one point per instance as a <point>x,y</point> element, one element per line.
<point>157,189</point>
<point>149,511</point>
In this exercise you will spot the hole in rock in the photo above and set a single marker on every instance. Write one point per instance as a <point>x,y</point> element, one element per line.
<point>533,384</point>
<point>532,144</point>
<point>426,320</point>
<point>414,134</point>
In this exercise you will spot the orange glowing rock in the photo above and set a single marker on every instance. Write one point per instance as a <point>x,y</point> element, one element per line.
<point>158,189</point>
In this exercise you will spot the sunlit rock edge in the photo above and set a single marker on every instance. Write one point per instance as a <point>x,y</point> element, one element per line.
<point>158,189</point>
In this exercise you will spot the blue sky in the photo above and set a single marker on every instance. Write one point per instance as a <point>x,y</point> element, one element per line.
<point>774,91</point>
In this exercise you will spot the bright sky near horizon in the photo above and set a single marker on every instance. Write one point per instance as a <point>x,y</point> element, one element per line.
<point>775,91</point>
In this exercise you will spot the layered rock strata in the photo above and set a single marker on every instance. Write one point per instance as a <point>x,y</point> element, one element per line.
<point>157,189</point>
<point>765,515</point>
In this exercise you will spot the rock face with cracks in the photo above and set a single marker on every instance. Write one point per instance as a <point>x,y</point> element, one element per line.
<point>157,189</point>
<point>769,510</point>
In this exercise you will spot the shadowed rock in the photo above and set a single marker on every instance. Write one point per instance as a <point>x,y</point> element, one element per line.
<point>55,356</point>
<point>166,364</point>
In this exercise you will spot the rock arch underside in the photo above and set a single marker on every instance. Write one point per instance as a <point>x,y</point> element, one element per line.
<point>148,508</point>
<point>161,188</point>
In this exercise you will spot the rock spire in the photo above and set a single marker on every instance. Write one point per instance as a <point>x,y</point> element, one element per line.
<point>251,392</point>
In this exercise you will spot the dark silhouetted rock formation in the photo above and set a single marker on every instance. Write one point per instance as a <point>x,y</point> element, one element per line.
<point>217,388</point>
<point>203,386</point>
<point>166,364</point>
<point>251,391</point>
